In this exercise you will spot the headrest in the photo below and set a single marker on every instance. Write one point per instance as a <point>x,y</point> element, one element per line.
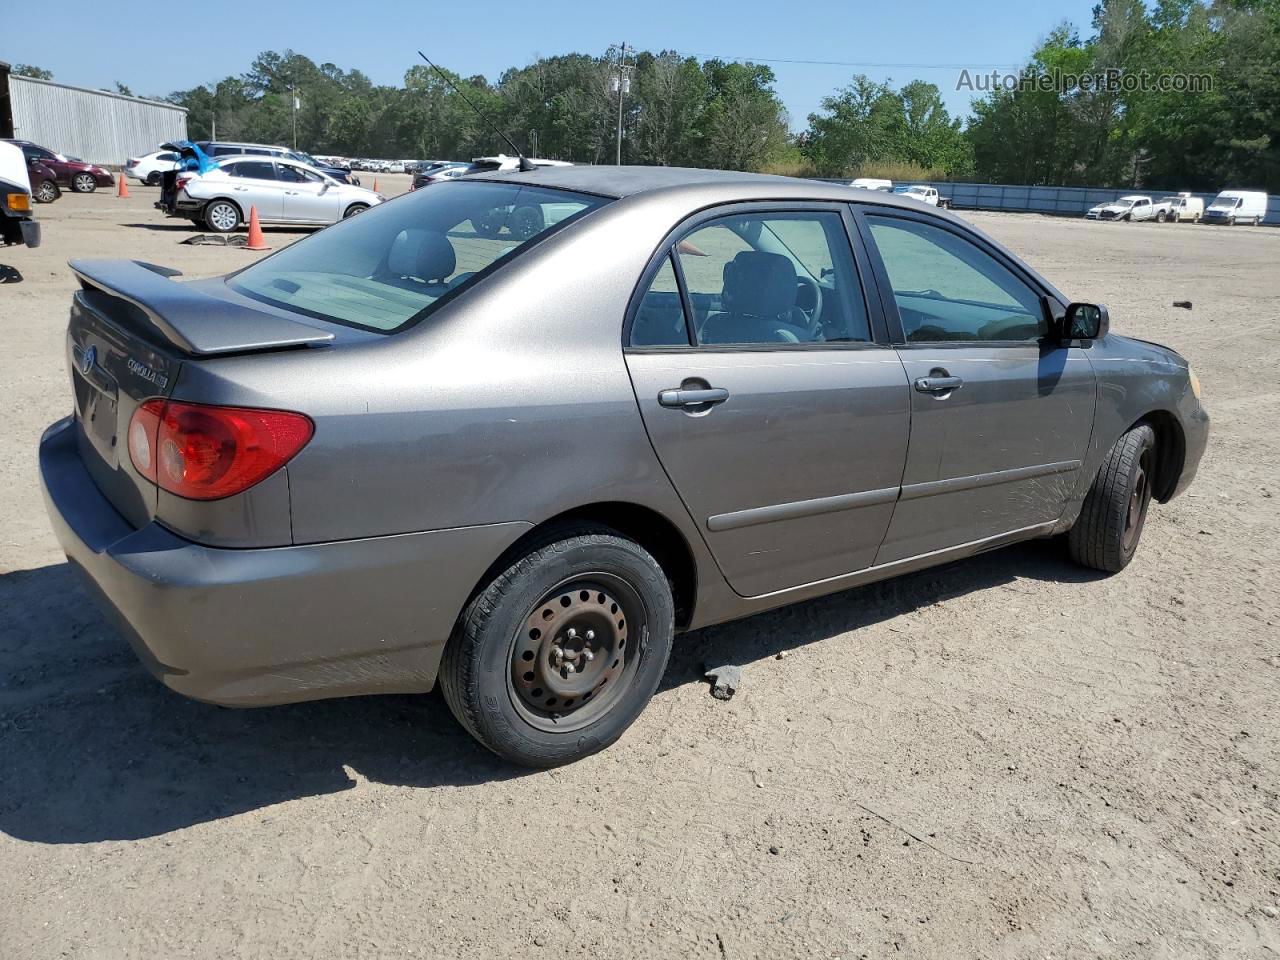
<point>759,284</point>
<point>423,254</point>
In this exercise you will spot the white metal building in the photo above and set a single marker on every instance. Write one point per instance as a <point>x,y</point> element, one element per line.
<point>94,125</point>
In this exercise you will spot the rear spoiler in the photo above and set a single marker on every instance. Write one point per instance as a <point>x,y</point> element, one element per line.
<point>193,321</point>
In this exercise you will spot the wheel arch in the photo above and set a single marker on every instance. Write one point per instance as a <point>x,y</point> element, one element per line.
<point>1171,450</point>
<point>646,526</point>
<point>212,200</point>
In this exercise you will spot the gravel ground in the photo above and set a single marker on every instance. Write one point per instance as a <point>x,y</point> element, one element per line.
<point>1007,757</point>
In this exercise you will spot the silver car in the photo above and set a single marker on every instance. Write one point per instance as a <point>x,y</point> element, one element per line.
<point>407,449</point>
<point>282,191</point>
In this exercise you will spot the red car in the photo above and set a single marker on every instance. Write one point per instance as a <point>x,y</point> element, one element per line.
<point>79,176</point>
<point>44,182</point>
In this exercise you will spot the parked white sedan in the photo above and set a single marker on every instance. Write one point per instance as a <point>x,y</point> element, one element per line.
<point>283,191</point>
<point>151,168</point>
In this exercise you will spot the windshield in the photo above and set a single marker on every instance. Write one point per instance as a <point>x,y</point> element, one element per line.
<point>394,264</point>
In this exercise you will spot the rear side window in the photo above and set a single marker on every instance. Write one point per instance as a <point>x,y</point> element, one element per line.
<point>253,169</point>
<point>660,319</point>
<point>773,278</point>
<point>394,264</point>
<point>949,289</point>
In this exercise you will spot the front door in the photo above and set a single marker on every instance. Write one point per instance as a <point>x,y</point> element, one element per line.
<point>775,404</point>
<point>1001,413</point>
<point>308,197</point>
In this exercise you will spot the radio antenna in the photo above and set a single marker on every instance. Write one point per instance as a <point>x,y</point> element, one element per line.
<point>525,165</point>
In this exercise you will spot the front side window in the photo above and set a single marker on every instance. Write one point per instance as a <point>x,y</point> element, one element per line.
<point>252,169</point>
<point>773,278</point>
<point>293,174</point>
<point>394,264</point>
<point>948,289</point>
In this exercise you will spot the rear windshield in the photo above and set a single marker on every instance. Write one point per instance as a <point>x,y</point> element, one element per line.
<point>392,265</point>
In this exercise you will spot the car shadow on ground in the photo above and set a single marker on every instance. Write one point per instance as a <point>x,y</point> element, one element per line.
<point>9,274</point>
<point>92,748</point>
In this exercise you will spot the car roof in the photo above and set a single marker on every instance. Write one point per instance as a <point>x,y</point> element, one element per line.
<point>627,181</point>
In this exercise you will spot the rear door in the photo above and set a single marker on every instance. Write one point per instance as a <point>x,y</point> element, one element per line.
<point>770,393</point>
<point>254,184</point>
<point>1001,414</point>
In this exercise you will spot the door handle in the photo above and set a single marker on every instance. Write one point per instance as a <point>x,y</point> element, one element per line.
<point>682,397</point>
<point>938,384</point>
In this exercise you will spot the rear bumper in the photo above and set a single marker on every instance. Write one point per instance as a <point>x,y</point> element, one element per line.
<point>276,625</point>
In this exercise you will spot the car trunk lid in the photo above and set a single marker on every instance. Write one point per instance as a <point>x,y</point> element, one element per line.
<point>132,329</point>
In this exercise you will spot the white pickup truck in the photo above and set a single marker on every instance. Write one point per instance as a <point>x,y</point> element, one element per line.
<point>924,194</point>
<point>1135,207</point>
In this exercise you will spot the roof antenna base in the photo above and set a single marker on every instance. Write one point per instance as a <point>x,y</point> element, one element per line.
<point>526,164</point>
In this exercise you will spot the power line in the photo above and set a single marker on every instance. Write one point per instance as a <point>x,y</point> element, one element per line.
<point>856,63</point>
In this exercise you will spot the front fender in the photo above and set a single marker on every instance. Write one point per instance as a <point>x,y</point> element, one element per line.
<point>1141,381</point>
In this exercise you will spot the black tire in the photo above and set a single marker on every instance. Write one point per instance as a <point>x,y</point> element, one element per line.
<point>1106,533</point>
<point>1231,221</point>
<point>218,217</point>
<point>47,192</point>
<point>153,178</point>
<point>481,673</point>
<point>84,183</point>
<point>354,209</point>
<point>527,221</point>
<point>1161,217</point>
<point>1257,221</point>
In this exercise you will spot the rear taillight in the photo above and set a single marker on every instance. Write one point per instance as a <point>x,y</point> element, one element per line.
<point>205,452</point>
<point>182,182</point>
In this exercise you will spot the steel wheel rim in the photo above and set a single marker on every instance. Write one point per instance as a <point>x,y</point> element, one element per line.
<point>85,183</point>
<point>1138,500</point>
<point>224,217</point>
<point>561,679</point>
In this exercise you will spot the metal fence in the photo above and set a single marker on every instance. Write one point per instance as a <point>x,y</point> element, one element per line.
<point>94,125</point>
<point>1062,201</point>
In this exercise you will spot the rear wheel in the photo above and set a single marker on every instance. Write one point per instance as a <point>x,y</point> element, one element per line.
<point>1257,220</point>
<point>153,178</point>
<point>1106,533</point>
<point>1161,217</point>
<point>562,650</point>
<point>222,216</point>
<point>84,183</point>
<point>47,192</point>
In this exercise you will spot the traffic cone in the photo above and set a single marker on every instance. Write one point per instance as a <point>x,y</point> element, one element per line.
<point>256,240</point>
<point>375,184</point>
<point>122,189</point>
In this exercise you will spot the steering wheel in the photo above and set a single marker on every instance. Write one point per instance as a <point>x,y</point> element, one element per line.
<point>812,319</point>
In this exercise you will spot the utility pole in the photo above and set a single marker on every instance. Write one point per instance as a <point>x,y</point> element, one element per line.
<point>294,93</point>
<point>622,84</point>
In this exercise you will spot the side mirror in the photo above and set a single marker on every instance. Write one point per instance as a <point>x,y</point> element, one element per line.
<point>1085,321</point>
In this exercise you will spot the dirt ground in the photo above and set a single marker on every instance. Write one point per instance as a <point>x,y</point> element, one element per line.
<point>1007,757</point>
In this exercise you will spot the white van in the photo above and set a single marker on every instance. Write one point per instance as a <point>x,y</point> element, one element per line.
<point>872,183</point>
<point>1237,206</point>
<point>1184,207</point>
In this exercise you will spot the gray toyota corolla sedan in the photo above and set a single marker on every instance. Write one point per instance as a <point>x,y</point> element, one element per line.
<point>515,431</point>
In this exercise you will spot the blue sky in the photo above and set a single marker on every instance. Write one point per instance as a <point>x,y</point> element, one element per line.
<point>160,49</point>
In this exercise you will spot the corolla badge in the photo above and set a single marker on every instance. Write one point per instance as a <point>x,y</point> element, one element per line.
<point>88,359</point>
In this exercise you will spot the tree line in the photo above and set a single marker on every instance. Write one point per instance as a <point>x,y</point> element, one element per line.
<point>1038,126</point>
